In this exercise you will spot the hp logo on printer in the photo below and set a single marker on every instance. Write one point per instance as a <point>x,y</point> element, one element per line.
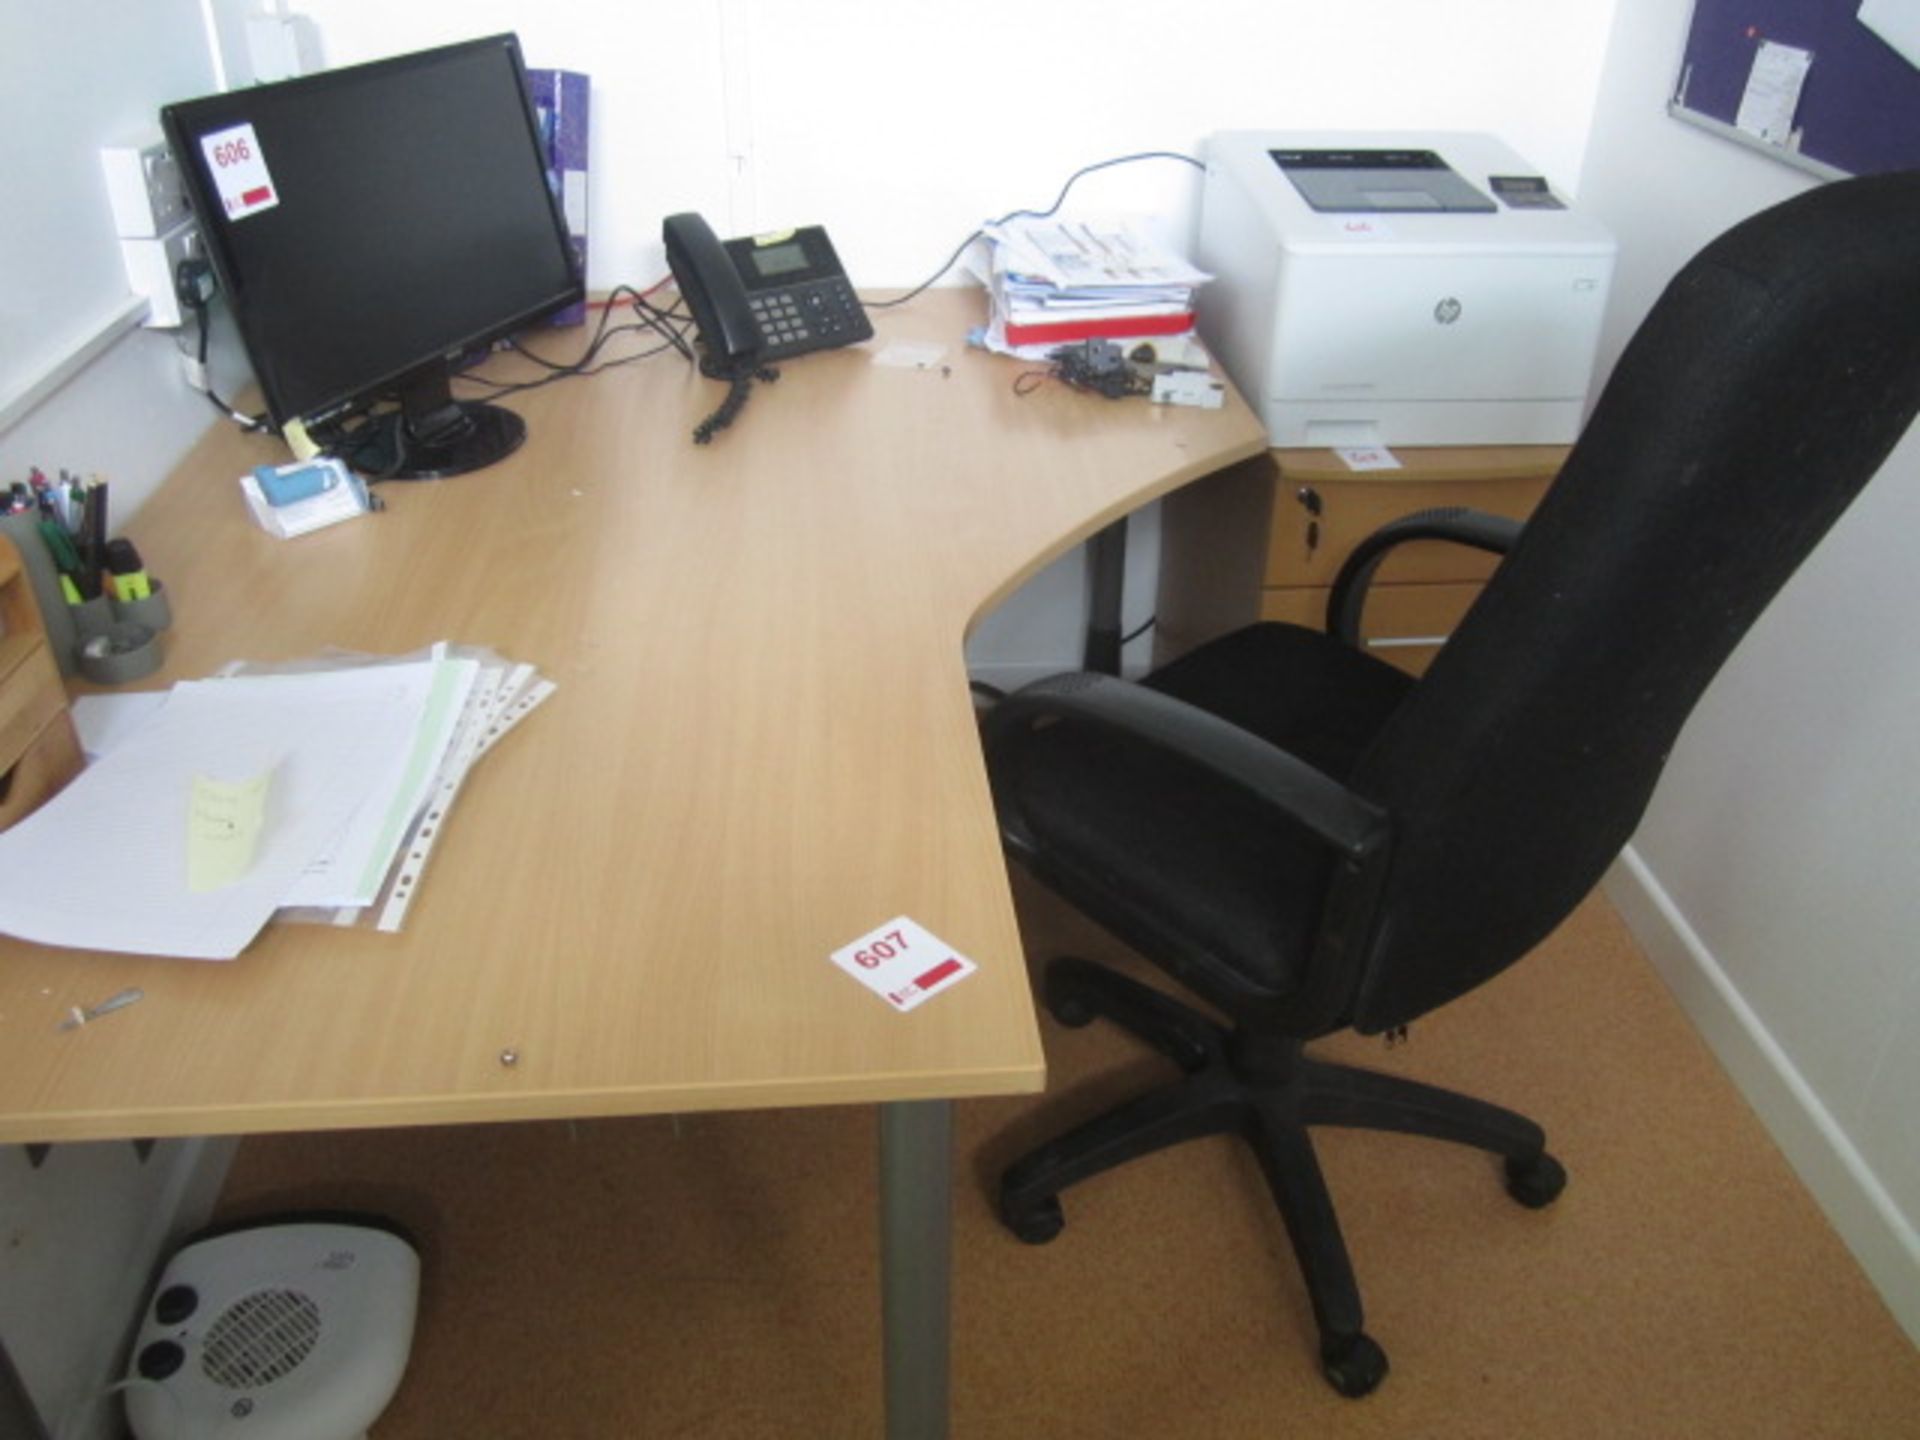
<point>1447,311</point>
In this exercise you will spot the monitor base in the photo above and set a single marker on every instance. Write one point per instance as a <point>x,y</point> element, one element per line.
<point>480,435</point>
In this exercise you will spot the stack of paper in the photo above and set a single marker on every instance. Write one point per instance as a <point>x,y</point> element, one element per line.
<point>236,798</point>
<point>1054,282</point>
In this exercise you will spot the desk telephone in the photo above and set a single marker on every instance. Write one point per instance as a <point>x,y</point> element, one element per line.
<point>762,298</point>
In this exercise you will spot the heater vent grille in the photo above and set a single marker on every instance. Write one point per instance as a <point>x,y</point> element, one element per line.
<point>261,1338</point>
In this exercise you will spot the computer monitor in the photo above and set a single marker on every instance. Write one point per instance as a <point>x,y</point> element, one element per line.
<point>373,224</point>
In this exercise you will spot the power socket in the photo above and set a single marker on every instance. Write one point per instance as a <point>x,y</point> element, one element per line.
<point>144,186</point>
<point>151,267</point>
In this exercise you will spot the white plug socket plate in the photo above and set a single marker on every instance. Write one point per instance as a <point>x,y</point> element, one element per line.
<point>151,266</point>
<point>144,186</point>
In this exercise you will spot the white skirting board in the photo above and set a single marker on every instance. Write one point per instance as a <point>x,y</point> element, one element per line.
<point>1841,1182</point>
<point>20,394</point>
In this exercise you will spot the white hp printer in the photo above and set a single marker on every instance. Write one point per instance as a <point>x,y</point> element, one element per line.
<point>1395,289</point>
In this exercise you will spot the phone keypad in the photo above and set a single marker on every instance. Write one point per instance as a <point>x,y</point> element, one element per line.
<point>808,317</point>
<point>780,318</point>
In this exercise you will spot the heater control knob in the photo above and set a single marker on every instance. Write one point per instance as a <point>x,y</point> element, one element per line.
<point>161,1359</point>
<point>175,1304</point>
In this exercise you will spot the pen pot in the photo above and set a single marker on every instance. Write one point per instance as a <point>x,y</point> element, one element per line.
<point>90,619</point>
<point>118,652</point>
<point>150,610</point>
<point>24,531</point>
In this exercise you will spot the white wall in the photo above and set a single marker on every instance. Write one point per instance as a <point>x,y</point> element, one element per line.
<point>1773,877</point>
<point>129,417</point>
<point>73,77</point>
<point>901,125</point>
<point>79,1236</point>
<point>62,266</point>
<point>80,1239</point>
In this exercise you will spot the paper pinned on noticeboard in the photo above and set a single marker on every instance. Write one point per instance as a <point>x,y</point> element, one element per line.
<point>1773,92</point>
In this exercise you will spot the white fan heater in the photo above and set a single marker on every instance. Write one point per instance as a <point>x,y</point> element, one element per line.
<point>284,1331</point>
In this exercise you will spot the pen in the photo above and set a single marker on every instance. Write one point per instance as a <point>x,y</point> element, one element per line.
<point>76,1016</point>
<point>82,537</point>
<point>65,559</point>
<point>97,555</point>
<point>86,545</point>
<point>60,545</point>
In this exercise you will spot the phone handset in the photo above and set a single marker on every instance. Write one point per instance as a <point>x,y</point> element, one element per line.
<point>715,294</point>
<point>758,300</point>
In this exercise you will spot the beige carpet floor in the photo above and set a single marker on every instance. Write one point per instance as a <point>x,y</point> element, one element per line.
<point>714,1277</point>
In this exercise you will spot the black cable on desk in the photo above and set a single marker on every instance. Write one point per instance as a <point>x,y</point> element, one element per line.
<point>662,322</point>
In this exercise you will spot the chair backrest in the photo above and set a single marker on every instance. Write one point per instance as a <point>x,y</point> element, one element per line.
<point>1761,393</point>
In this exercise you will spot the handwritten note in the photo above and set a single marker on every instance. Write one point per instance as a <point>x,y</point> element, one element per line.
<point>224,821</point>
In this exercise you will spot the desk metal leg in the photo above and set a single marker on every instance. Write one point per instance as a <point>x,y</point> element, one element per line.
<point>916,1248</point>
<point>1106,592</point>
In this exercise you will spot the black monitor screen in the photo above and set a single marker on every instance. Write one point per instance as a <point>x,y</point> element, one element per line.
<point>372,222</point>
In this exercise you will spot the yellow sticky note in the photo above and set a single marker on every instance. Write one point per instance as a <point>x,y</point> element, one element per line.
<point>301,443</point>
<point>224,821</point>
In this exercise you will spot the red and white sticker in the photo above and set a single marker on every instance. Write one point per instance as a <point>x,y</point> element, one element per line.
<point>1367,457</point>
<point>1362,227</point>
<point>239,171</point>
<point>903,963</point>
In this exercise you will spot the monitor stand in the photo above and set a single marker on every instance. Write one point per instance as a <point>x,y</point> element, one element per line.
<point>433,436</point>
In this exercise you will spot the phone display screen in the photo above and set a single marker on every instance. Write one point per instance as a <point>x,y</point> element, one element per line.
<point>776,260</point>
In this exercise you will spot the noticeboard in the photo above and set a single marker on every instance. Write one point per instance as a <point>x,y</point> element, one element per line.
<point>1830,85</point>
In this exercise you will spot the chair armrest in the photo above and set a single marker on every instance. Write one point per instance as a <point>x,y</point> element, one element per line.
<point>1352,826</point>
<point>1494,533</point>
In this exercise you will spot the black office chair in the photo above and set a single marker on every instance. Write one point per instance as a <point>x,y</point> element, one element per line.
<point>1310,840</point>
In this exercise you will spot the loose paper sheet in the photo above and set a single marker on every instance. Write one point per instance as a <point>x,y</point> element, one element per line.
<point>103,721</point>
<point>351,873</point>
<point>105,864</point>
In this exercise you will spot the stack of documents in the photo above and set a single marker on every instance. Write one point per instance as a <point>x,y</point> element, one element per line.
<point>1055,282</point>
<point>303,792</point>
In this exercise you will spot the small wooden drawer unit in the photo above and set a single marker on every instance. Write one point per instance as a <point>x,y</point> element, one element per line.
<point>38,750</point>
<point>1266,539</point>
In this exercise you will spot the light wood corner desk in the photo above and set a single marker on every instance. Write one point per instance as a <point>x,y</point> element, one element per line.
<point>762,746</point>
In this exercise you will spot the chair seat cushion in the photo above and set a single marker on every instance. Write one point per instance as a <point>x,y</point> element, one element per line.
<point>1217,888</point>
